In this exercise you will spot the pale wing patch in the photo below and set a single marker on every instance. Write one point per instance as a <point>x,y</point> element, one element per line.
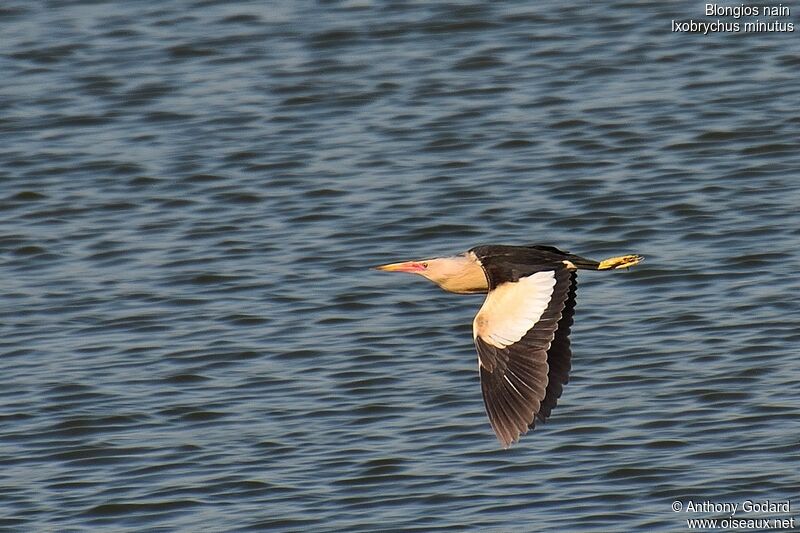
<point>513,308</point>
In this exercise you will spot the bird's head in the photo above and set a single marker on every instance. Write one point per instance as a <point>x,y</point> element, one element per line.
<point>423,267</point>
<point>460,273</point>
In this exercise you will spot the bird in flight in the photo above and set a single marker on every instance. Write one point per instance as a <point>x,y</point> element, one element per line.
<point>522,330</point>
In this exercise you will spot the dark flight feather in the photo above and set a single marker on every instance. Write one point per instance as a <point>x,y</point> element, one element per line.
<point>559,356</point>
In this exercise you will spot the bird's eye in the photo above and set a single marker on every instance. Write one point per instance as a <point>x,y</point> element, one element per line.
<point>424,265</point>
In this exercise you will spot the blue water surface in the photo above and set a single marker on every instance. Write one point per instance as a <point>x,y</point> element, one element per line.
<point>192,194</point>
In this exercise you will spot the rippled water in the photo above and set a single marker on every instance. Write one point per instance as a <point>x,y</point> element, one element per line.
<point>191,194</point>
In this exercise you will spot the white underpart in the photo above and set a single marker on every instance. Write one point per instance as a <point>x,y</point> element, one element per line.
<point>512,309</point>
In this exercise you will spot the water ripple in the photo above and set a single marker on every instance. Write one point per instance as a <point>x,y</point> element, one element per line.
<point>193,194</point>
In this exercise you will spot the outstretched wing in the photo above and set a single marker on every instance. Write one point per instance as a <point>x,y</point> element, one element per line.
<point>559,356</point>
<point>514,331</point>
